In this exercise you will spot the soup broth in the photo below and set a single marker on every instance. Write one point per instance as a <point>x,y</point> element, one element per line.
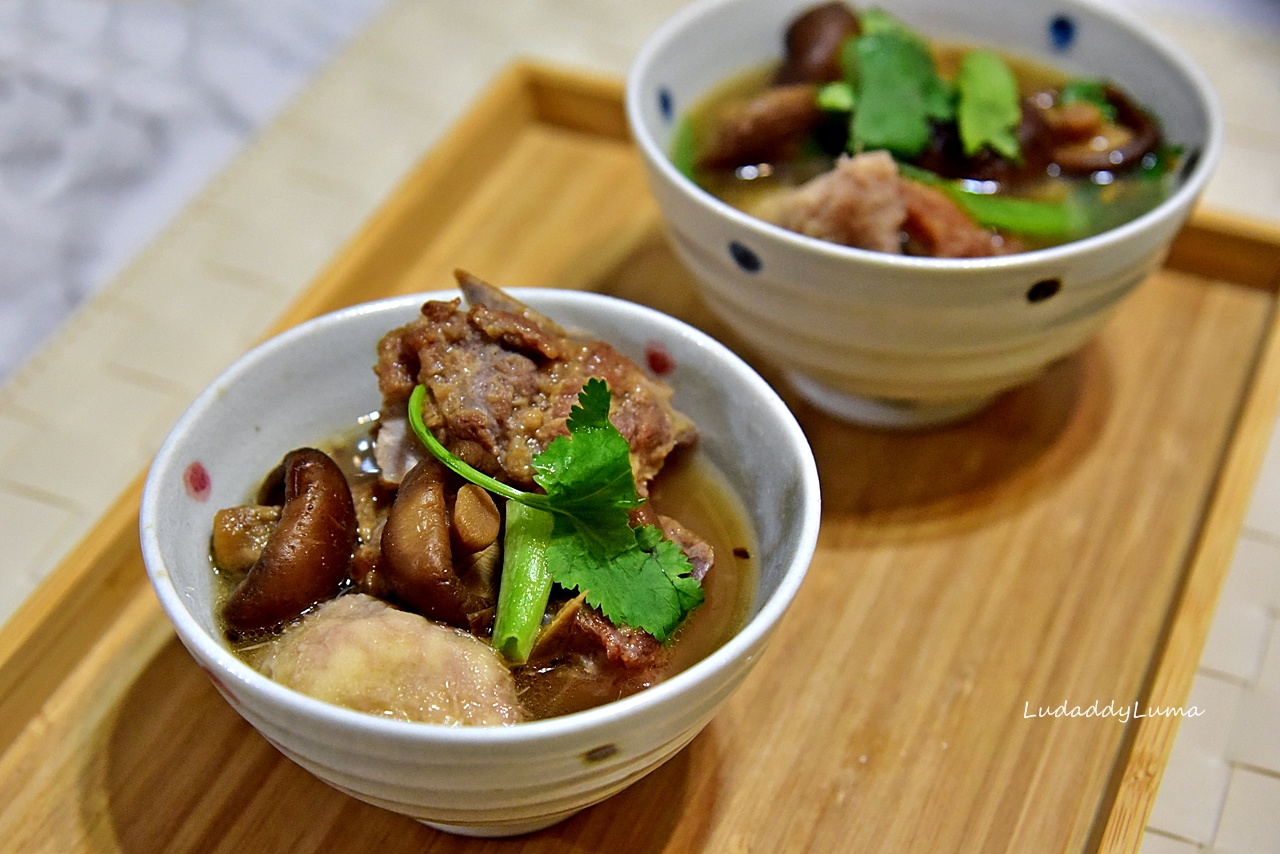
<point>688,488</point>
<point>1041,197</point>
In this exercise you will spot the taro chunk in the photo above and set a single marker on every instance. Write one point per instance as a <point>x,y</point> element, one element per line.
<point>358,652</point>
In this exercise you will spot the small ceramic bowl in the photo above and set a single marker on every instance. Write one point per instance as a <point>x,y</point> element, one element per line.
<point>894,340</point>
<point>309,385</point>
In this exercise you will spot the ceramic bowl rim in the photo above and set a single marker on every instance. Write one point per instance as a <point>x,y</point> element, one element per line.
<point>1182,197</point>
<point>757,629</point>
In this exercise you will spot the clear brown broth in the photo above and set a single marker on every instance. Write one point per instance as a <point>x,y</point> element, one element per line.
<point>690,489</point>
<point>745,195</point>
<point>1125,194</point>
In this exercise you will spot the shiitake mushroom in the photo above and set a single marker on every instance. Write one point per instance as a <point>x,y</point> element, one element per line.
<point>1136,136</point>
<point>417,553</point>
<point>305,557</point>
<point>814,41</point>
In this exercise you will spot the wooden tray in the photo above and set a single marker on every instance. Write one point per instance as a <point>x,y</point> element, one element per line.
<point>1067,545</point>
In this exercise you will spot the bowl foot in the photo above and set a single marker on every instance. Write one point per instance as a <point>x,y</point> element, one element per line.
<point>883,411</point>
<point>493,831</point>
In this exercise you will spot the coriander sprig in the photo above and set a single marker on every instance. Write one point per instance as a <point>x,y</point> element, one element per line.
<point>634,576</point>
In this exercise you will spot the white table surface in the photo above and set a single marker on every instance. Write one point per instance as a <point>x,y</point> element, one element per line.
<point>174,172</point>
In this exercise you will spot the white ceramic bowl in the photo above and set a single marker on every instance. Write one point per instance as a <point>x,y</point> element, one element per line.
<point>896,340</point>
<point>312,383</point>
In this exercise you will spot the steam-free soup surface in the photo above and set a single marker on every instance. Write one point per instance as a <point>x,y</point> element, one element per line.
<point>692,490</point>
<point>689,488</point>
<point>1074,156</point>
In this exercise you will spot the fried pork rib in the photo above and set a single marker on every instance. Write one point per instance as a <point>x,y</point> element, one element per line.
<point>863,202</point>
<point>502,379</point>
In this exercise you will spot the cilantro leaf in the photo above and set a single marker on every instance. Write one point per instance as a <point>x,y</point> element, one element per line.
<point>587,475</point>
<point>988,112</point>
<point>684,148</point>
<point>1090,92</point>
<point>837,97</point>
<point>899,93</point>
<point>875,20</point>
<point>652,589</point>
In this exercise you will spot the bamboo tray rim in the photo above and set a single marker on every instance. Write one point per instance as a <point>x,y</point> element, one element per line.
<point>57,625</point>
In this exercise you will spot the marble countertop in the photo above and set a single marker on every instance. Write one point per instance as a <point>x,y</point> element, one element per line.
<point>114,114</point>
<point>174,172</point>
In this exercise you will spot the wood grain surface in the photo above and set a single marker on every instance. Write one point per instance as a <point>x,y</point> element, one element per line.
<point>1064,546</point>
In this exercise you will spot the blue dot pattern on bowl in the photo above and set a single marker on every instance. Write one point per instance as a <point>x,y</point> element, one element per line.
<point>1062,32</point>
<point>1043,289</point>
<point>744,257</point>
<point>666,104</point>
<point>1189,165</point>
